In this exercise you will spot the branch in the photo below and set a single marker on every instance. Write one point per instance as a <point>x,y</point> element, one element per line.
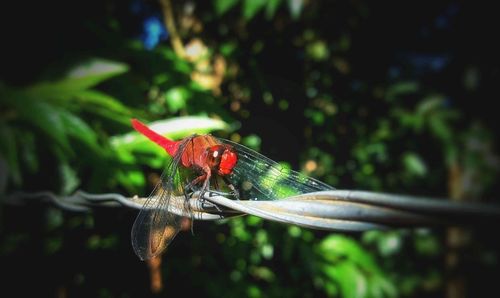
<point>175,39</point>
<point>336,210</point>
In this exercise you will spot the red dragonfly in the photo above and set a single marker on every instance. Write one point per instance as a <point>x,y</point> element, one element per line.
<point>227,166</point>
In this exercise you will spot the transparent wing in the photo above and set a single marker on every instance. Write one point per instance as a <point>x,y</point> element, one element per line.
<point>155,227</point>
<point>260,178</point>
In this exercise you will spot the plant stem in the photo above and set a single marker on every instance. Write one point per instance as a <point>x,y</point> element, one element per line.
<point>175,40</point>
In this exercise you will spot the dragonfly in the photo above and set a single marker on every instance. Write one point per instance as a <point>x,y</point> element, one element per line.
<point>206,164</point>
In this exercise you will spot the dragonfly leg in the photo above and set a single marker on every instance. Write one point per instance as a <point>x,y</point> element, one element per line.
<point>205,204</point>
<point>234,191</point>
<point>190,186</point>
<point>206,184</point>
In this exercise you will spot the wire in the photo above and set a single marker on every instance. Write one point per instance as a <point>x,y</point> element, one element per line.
<point>335,210</point>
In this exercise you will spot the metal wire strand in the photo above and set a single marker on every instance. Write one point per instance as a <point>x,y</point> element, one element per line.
<point>336,210</point>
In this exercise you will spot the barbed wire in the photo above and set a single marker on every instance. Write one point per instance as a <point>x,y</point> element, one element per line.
<point>335,210</point>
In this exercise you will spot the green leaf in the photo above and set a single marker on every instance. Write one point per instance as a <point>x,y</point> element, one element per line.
<point>351,280</point>
<point>389,244</point>
<point>69,178</point>
<point>252,7</point>
<point>131,180</point>
<point>83,76</point>
<point>28,151</point>
<point>253,291</point>
<point>335,246</point>
<point>228,48</point>
<point>176,98</point>
<point>253,141</point>
<point>262,273</point>
<point>430,104</point>
<point>414,164</point>
<point>318,50</point>
<point>48,119</point>
<point>124,156</point>
<point>401,89</point>
<point>441,129</point>
<point>272,7</point>
<point>222,6</point>
<point>253,220</point>
<point>104,105</point>
<point>102,101</point>
<point>380,286</point>
<point>426,243</point>
<point>77,128</point>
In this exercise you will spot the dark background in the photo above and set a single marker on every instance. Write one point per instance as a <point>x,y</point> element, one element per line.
<point>448,49</point>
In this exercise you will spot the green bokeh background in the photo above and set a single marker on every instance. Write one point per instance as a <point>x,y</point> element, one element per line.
<point>385,96</point>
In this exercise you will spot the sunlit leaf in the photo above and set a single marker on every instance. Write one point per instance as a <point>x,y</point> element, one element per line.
<point>380,286</point>
<point>253,141</point>
<point>414,164</point>
<point>125,156</point>
<point>253,292</point>
<point>176,98</point>
<point>253,220</point>
<point>131,180</point>
<point>334,245</point>
<point>295,7</point>
<point>351,280</point>
<point>83,76</point>
<point>294,231</point>
<point>389,244</point>
<point>318,50</point>
<point>267,251</point>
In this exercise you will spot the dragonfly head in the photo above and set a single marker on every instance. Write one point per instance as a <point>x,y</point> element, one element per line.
<point>222,159</point>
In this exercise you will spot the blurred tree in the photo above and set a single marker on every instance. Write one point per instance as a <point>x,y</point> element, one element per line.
<point>385,96</point>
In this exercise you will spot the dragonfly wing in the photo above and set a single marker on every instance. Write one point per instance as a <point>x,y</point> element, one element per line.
<point>260,178</point>
<point>155,227</point>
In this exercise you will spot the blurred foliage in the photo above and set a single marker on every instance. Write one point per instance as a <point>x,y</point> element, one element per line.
<point>328,88</point>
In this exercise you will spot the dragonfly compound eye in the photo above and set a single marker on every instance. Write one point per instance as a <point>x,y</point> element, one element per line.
<point>214,156</point>
<point>227,162</point>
